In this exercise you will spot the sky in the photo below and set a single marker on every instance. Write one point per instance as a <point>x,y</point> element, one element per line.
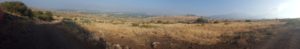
<point>175,7</point>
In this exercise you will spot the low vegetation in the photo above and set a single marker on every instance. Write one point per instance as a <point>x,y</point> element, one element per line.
<point>201,20</point>
<point>160,32</point>
<point>20,9</point>
<point>47,16</point>
<point>136,34</point>
<point>17,8</point>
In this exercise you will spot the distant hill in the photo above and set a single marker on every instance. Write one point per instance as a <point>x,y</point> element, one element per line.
<point>236,16</point>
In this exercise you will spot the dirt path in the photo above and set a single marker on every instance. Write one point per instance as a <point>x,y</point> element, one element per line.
<point>287,37</point>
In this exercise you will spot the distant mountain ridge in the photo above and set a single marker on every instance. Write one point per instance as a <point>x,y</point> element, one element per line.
<point>236,16</point>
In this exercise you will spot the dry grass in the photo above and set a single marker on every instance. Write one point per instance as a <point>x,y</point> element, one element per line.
<point>135,33</point>
<point>204,34</point>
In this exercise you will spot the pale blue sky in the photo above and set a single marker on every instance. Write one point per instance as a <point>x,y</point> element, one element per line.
<point>199,7</point>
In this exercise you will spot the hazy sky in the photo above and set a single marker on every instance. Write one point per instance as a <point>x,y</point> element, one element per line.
<point>199,7</point>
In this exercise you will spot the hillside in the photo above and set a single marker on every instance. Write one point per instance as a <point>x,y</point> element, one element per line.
<point>20,30</point>
<point>171,33</point>
<point>22,27</point>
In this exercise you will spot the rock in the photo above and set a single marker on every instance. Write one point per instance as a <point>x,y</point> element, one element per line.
<point>155,44</point>
<point>117,46</point>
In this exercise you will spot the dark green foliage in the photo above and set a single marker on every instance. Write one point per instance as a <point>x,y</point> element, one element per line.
<point>20,9</point>
<point>16,7</point>
<point>47,16</point>
<point>201,20</point>
<point>248,21</point>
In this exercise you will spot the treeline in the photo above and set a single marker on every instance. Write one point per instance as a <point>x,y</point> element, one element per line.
<point>18,8</point>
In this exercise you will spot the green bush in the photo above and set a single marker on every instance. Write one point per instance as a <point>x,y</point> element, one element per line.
<point>16,7</point>
<point>20,9</point>
<point>201,20</point>
<point>46,16</point>
<point>248,21</point>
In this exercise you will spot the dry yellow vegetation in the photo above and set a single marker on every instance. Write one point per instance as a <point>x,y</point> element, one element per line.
<point>195,33</point>
<point>137,33</point>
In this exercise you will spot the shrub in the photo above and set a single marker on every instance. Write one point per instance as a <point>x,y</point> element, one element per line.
<point>46,16</point>
<point>248,21</point>
<point>20,9</point>
<point>201,20</point>
<point>100,21</point>
<point>164,22</point>
<point>216,22</point>
<point>143,25</point>
<point>135,24</point>
<point>16,7</point>
<point>168,22</point>
<point>147,26</point>
<point>159,21</point>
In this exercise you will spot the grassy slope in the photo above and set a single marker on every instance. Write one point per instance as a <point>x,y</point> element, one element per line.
<point>177,35</point>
